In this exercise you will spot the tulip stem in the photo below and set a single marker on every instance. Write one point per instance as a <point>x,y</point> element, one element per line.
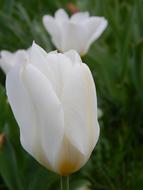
<point>64,182</point>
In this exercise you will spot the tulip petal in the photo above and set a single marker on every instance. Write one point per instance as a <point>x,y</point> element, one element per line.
<point>6,55</point>
<point>8,59</point>
<point>54,66</point>
<point>24,112</point>
<point>73,56</point>
<point>60,66</point>
<point>48,110</point>
<point>61,15</point>
<point>30,90</point>
<point>38,58</point>
<point>50,24</point>
<point>70,159</point>
<point>96,26</point>
<point>53,28</point>
<point>5,62</point>
<point>22,107</point>
<point>79,17</point>
<point>72,38</point>
<point>80,109</point>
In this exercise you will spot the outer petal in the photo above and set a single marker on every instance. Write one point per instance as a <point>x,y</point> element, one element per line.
<point>70,159</point>
<point>72,38</point>
<point>37,57</point>
<point>61,15</point>
<point>8,59</point>
<point>80,109</point>
<point>40,117</point>
<point>49,112</point>
<point>60,66</point>
<point>73,56</point>
<point>50,24</point>
<point>54,66</point>
<point>22,107</point>
<point>5,64</point>
<point>79,17</point>
<point>54,30</point>
<point>95,26</point>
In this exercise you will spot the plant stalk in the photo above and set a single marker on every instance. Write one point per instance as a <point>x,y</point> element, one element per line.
<point>64,182</point>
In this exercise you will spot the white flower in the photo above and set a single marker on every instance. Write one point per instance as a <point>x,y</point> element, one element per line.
<point>53,98</point>
<point>9,59</point>
<point>77,32</point>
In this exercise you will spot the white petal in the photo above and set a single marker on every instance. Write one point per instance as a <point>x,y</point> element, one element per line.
<point>70,159</point>
<point>79,17</point>
<point>6,55</point>
<point>38,113</point>
<point>5,61</point>
<point>49,112</point>
<point>24,112</point>
<point>80,109</point>
<point>50,24</point>
<point>61,15</point>
<point>22,107</point>
<point>60,66</point>
<point>37,57</point>
<point>54,66</point>
<point>8,59</point>
<point>54,30</point>
<point>20,57</point>
<point>72,38</point>
<point>73,56</point>
<point>96,26</point>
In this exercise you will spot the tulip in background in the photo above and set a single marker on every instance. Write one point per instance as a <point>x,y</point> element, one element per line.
<point>77,32</point>
<point>53,98</point>
<point>9,59</point>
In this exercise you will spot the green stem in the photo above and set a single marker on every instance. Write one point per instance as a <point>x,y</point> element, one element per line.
<point>64,182</point>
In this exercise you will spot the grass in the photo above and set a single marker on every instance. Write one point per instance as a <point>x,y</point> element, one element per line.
<point>116,61</point>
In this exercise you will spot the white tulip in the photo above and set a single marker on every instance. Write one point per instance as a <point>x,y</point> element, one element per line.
<point>9,59</point>
<point>77,32</point>
<point>53,99</point>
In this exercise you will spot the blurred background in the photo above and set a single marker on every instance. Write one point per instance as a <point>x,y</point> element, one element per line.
<point>116,62</point>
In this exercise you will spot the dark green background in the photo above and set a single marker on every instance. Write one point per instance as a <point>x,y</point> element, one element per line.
<point>116,61</point>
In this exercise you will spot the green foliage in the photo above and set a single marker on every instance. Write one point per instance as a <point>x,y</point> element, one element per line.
<point>116,61</point>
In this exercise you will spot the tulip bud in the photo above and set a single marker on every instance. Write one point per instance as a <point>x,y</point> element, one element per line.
<point>8,59</point>
<point>53,99</point>
<point>77,32</point>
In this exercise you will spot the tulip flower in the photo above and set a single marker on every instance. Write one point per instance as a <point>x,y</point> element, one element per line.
<point>77,32</point>
<point>9,59</point>
<point>53,98</point>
